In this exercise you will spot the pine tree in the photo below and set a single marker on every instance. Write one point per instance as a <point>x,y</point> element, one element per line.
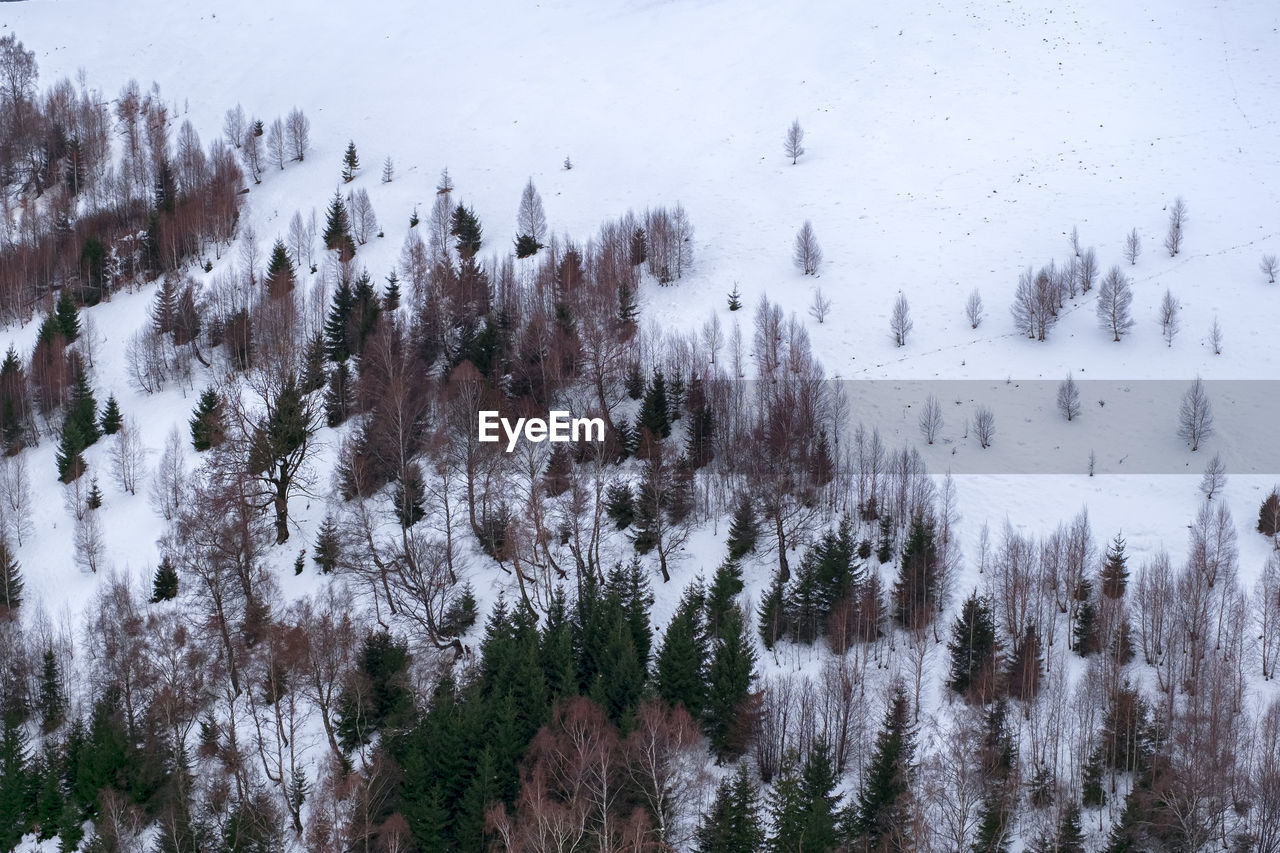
<point>744,530</point>
<point>1087,636</point>
<point>1114,574</point>
<point>884,547</point>
<point>337,397</point>
<point>787,808</point>
<point>1092,792</point>
<point>208,422</point>
<point>680,671</point>
<point>388,170</point>
<point>735,298</point>
<point>409,496</point>
<point>1269,515</point>
<point>164,585</point>
<point>328,546</point>
<point>337,229</point>
<point>804,806</point>
<point>881,817</point>
<point>1026,666</point>
<point>15,781</point>
<point>67,316</point>
<point>726,583</point>
<point>620,504</point>
<point>1070,832</point>
<point>729,680</point>
<point>14,401</point>
<point>82,409</point>
<point>350,163</point>
<point>973,648</point>
<point>628,307</point>
<point>655,417</point>
<point>775,621</point>
<point>52,700</point>
<point>70,462</point>
<point>461,613</point>
<point>639,247</point>
<point>365,312</point>
<point>917,592</point>
<point>280,272</point>
<point>338,326</point>
<point>993,825</point>
<point>94,498</point>
<point>558,475</point>
<point>111,419</point>
<point>10,579</point>
<point>733,825</point>
<point>465,227</point>
<point>391,295</point>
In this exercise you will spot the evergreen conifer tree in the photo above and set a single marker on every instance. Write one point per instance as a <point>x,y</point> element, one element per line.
<point>973,648</point>
<point>726,583</point>
<point>1086,636</point>
<point>82,409</point>
<point>733,825</point>
<point>744,530</point>
<point>558,475</point>
<point>337,397</point>
<point>208,421</point>
<point>729,680</point>
<point>620,504</point>
<point>880,819</point>
<point>67,316</point>
<point>775,621</point>
<point>337,229</point>
<point>70,462</point>
<point>1115,576</point>
<point>1070,832</point>
<point>391,295</point>
<point>350,163</point>
<point>680,671</point>
<point>1092,792</point>
<point>14,402</point>
<point>94,498</point>
<point>409,496</point>
<point>1269,515</point>
<point>164,585</point>
<point>338,326</point>
<point>655,417</point>
<point>639,247</point>
<point>111,419</point>
<point>917,592</point>
<point>10,579</point>
<point>735,298</point>
<point>15,781</point>
<point>52,700</point>
<point>280,272</point>
<point>884,546</point>
<point>1026,666</point>
<point>465,227</point>
<point>628,307</point>
<point>327,550</point>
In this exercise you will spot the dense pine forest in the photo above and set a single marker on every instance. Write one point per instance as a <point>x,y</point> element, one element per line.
<point>742,621</point>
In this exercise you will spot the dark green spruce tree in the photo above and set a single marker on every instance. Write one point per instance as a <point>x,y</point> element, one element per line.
<point>208,422</point>
<point>680,671</point>
<point>111,420</point>
<point>880,819</point>
<point>1115,574</point>
<point>744,529</point>
<point>733,825</point>
<point>973,649</point>
<point>729,680</point>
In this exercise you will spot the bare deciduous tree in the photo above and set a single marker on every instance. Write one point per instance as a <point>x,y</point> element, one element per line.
<point>128,456</point>
<point>1075,240</point>
<point>1177,218</point>
<point>807,254</point>
<point>1035,303</point>
<point>89,545</point>
<point>1132,247</point>
<point>820,307</point>
<point>793,144</point>
<point>984,426</point>
<point>298,130</point>
<point>973,309</point>
<point>1115,299</point>
<point>276,148</point>
<point>931,419</point>
<point>15,498</point>
<point>233,125</point>
<point>1069,398</point>
<point>1088,270</point>
<point>1195,416</point>
<point>251,151</point>
<point>168,479</point>
<point>531,219</point>
<point>1269,267</point>
<point>364,223</point>
<point>1215,337</point>
<point>1214,478</point>
<point>1169,320</point>
<point>900,320</point>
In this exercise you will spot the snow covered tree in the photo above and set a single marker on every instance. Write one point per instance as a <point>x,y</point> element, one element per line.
<point>1115,301</point>
<point>350,163</point>
<point>1069,398</point>
<point>807,254</point>
<point>466,229</point>
<point>793,143</point>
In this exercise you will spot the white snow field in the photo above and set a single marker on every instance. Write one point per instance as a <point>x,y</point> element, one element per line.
<point>949,145</point>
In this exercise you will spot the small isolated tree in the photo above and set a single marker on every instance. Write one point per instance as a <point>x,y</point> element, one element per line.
<point>350,163</point>
<point>931,419</point>
<point>164,583</point>
<point>1215,337</point>
<point>973,309</point>
<point>793,144</point>
<point>1195,416</point>
<point>1269,516</point>
<point>820,307</point>
<point>1075,240</point>
<point>1269,267</point>
<point>298,130</point>
<point>128,457</point>
<point>984,426</point>
<point>735,298</point>
<point>1214,479</point>
<point>1169,320</point>
<point>1132,247</point>
<point>1115,300</point>
<point>900,320</point>
<point>1177,218</point>
<point>388,170</point>
<point>1069,398</point>
<point>807,253</point>
<point>531,219</point>
<point>277,146</point>
<point>1087,269</point>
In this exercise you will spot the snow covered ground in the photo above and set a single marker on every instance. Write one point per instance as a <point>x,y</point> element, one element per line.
<point>949,146</point>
